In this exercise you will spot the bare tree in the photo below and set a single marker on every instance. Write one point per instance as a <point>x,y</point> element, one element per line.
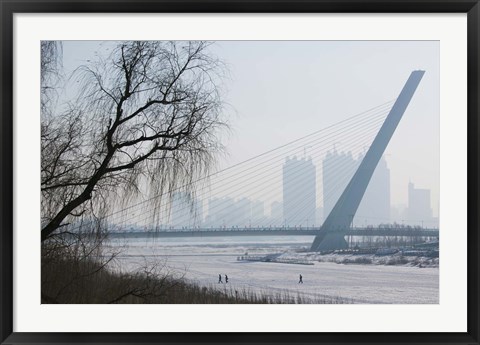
<point>149,113</point>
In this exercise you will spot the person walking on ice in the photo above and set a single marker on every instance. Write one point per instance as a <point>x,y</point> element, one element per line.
<point>300,280</point>
<point>220,279</point>
<point>226,279</point>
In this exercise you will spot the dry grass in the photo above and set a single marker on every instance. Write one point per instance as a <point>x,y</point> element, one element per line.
<point>68,279</point>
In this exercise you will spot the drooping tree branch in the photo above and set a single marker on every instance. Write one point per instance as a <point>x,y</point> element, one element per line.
<point>152,109</point>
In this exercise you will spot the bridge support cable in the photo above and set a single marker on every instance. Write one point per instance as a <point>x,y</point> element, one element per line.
<point>255,176</point>
<point>266,190</point>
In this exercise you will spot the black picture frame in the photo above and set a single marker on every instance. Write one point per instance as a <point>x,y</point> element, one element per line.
<point>10,7</point>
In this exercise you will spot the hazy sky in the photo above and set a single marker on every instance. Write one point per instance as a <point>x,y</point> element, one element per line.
<point>279,91</point>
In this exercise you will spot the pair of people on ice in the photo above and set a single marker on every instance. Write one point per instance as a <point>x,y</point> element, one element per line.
<point>300,281</point>
<point>220,279</point>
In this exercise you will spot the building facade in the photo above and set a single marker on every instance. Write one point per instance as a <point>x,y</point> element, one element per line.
<point>338,169</point>
<point>419,207</point>
<point>299,192</point>
<point>374,209</point>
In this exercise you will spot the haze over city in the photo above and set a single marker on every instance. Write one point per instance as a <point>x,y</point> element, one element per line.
<point>280,91</point>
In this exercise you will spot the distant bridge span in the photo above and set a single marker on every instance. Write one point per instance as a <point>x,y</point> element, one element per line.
<point>222,232</point>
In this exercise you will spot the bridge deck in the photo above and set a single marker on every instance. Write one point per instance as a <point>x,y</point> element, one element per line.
<point>407,232</point>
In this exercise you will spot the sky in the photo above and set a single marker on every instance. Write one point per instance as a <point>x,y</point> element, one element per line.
<point>278,91</point>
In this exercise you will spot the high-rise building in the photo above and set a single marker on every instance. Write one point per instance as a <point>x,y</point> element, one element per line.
<point>419,208</point>
<point>242,212</point>
<point>338,169</point>
<point>299,192</point>
<point>374,209</point>
<point>221,212</point>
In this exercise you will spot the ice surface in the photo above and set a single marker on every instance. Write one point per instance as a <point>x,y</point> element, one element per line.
<point>202,259</point>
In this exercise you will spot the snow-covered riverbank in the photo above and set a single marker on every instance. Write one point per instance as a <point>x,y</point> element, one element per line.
<point>202,260</point>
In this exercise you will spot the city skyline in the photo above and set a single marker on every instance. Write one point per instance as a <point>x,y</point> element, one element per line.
<point>303,202</point>
<point>338,80</point>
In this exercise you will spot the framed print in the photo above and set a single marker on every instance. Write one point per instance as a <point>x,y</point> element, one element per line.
<point>239,172</point>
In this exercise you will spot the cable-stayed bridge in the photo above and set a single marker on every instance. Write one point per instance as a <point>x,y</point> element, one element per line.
<point>287,182</point>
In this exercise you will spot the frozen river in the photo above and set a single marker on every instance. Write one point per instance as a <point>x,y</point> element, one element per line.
<point>202,259</point>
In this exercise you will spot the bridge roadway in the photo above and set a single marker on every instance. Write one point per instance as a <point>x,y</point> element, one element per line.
<point>312,231</point>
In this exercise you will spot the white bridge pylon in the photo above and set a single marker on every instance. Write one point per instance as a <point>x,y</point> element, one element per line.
<point>341,216</point>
